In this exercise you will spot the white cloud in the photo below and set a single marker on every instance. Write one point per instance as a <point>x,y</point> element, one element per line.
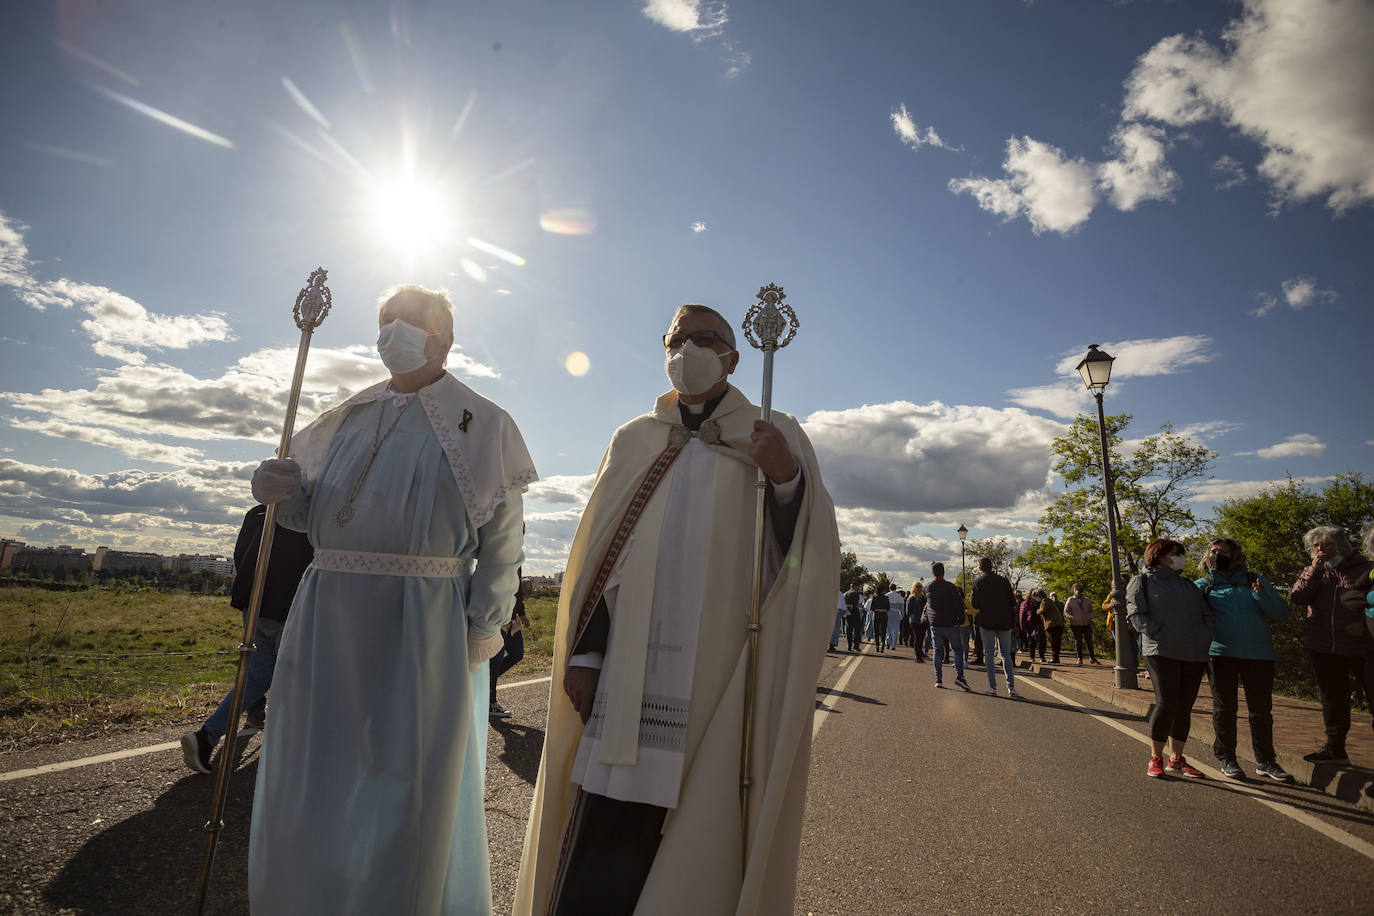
<point>562,488</point>
<point>1228,172</point>
<point>699,227</point>
<point>1057,193</point>
<point>1298,293</point>
<point>1294,445</point>
<point>141,449</point>
<point>910,133</point>
<point>1146,356</point>
<point>119,327</point>
<point>1138,170</point>
<point>1294,76</point>
<point>687,15</point>
<point>1051,190</point>
<point>904,457</point>
<point>1219,489</point>
<point>1063,399</point>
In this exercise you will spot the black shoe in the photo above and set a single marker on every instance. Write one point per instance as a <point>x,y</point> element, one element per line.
<point>195,750</point>
<point>1274,771</point>
<point>1328,754</point>
<point>1230,769</point>
<point>964,684</point>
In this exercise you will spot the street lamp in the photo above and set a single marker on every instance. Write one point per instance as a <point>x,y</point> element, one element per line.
<point>1096,370</point>
<point>963,572</point>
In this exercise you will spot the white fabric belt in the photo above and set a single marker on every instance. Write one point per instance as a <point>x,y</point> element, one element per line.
<point>391,564</point>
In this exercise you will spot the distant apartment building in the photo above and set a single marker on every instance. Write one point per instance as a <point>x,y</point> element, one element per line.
<point>9,548</point>
<point>121,561</point>
<point>190,562</point>
<point>56,560</point>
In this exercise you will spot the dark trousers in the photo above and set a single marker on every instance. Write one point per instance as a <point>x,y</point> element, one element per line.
<point>1033,641</point>
<point>1333,679</point>
<point>1176,683</point>
<point>512,650</point>
<point>1056,635</point>
<point>918,637</point>
<point>1083,636</point>
<point>614,846</point>
<point>880,628</point>
<point>854,631</point>
<point>1257,676</point>
<point>904,631</point>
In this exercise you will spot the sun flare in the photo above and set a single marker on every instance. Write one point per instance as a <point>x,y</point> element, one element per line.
<point>410,215</point>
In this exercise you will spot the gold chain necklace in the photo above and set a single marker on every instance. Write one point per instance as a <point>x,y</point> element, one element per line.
<point>345,513</point>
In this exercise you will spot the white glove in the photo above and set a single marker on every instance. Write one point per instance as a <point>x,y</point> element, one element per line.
<point>276,480</point>
<point>482,646</point>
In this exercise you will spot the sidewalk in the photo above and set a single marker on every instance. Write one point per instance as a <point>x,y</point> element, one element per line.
<point>1297,729</point>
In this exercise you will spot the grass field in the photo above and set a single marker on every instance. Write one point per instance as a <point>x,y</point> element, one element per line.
<point>81,663</point>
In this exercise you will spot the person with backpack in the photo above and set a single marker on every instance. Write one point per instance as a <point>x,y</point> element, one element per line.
<point>1242,652</point>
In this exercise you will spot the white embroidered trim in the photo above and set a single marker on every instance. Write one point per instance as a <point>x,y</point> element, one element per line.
<point>391,564</point>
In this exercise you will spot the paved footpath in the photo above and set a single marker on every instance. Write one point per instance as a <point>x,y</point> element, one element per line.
<point>920,800</point>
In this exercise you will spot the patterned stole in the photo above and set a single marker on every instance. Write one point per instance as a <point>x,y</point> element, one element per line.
<point>647,487</point>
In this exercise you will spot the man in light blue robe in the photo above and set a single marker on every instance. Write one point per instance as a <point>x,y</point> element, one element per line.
<point>370,784</point>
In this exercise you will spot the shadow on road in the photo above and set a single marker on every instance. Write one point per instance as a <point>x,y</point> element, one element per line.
<point>521,748</point>
<point>1304,798</point>
<point>826,691</point>
<point>150,863</point>
<point>1105,713</point>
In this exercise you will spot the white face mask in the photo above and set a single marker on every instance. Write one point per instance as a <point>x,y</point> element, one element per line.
<point>1177,562</point>
<point>402,346</point>
<point>694,370</point>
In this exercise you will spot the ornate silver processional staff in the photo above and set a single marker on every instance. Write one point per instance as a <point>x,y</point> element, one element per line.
<point>764,324</point>
<point>312,305</point>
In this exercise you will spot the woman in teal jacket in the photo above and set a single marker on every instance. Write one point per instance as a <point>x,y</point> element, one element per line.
<point>1242,653</point>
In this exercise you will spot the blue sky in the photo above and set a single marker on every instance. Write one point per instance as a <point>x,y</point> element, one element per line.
<point>957,197</point>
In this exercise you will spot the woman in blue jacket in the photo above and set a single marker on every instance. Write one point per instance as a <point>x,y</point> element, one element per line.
<point>1242,653</point>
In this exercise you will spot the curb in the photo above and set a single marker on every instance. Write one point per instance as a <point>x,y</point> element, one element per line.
<point>1345,783</point>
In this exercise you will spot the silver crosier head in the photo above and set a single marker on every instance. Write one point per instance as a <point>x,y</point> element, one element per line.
<point>312,305</point>
<point>766,320</point>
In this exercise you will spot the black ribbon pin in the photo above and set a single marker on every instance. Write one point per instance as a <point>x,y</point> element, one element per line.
<point>467,418</point>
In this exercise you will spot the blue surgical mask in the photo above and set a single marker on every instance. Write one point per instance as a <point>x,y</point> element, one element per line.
<point>402,346</point>
<point>1334,561</point>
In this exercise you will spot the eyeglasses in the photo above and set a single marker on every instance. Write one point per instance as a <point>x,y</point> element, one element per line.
<point>700,338</point>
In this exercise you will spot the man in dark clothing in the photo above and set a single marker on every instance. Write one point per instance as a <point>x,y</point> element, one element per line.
<point>944,613</point>
<point>291,554</point>
<point>879,604</point>
<point>854,618</point>
<point>996,605</point>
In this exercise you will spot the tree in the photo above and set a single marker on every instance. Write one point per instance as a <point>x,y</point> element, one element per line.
<point>853,574</point>
<point>1006,559</point>
<point>1153,489</point>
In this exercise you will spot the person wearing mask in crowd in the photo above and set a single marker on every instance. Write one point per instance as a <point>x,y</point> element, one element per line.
<point>1242,653</point>
<point>512,651</point>
<point>1053,617</point>
<point>1080,613</point>
<point>840,610</point>
<point>854,618</point>
<point>1177,626</point>
<point>944,611</point>
<point>992,596</point>
<point>916,618</point>
<point>1335,634</point>
<point>896,605</point>
<point>1032,627</point>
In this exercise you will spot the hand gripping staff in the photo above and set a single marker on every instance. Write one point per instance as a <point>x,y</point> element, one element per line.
<point>763,325</point>
<point>312,305</point>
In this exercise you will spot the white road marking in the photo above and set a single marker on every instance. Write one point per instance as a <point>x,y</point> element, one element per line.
<point>170,745</point>
<point>823,712</point>
<point>1277,803</point>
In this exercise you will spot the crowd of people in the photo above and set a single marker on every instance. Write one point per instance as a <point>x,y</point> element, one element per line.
<point>1216,625</point>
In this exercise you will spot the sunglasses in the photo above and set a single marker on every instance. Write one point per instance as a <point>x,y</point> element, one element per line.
<point>701,338</point>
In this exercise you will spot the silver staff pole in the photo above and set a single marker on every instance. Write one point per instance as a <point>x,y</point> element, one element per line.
<point>312,305</point>
<point>763,325</point>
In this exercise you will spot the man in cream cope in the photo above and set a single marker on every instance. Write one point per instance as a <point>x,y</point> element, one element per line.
<point>369,794</point>
<point>637,806</point>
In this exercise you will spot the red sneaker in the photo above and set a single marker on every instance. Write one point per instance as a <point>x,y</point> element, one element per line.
<point>1180,767</point>
<point>1156,768</point>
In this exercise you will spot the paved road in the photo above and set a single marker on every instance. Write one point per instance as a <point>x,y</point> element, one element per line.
<point>920,800</point>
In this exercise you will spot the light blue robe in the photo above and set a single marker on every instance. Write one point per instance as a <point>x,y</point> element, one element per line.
<point>370,785</point>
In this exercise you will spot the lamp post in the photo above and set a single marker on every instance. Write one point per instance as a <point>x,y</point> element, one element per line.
<point>963,571</point>
<point>1096,370</point>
